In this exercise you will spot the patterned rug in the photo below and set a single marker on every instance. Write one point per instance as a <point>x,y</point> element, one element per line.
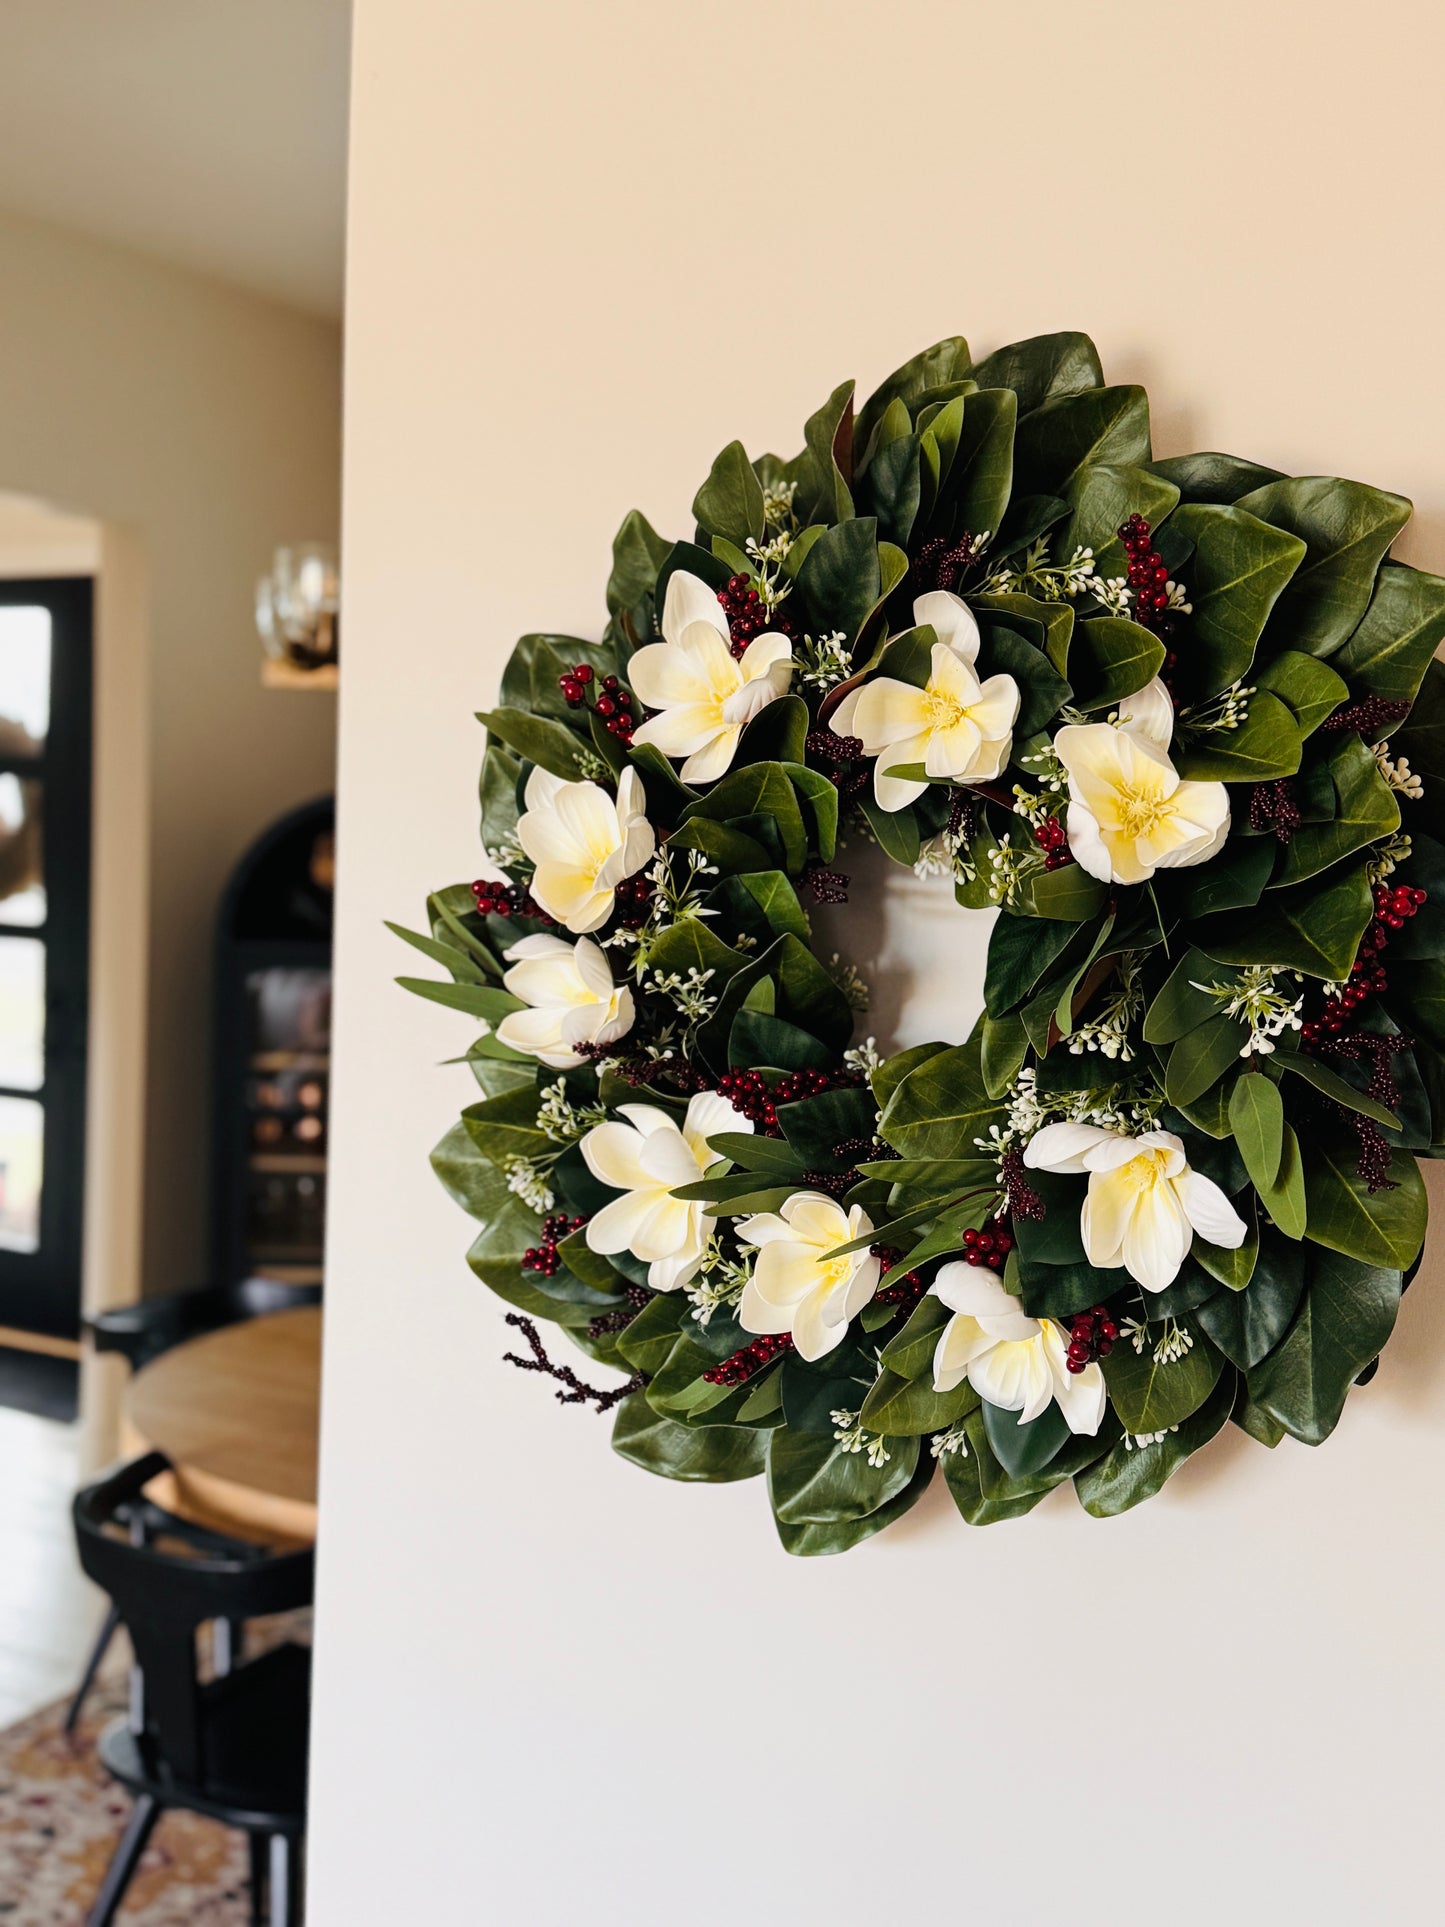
<point>61,1816</point>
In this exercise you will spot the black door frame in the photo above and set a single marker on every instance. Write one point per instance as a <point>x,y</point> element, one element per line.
<point>41,1291</point>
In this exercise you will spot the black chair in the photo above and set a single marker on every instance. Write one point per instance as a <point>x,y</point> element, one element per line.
<point>143,1331</point>
<point>232,1747</point>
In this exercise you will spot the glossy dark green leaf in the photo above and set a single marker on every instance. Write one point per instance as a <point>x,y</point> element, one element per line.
<point>1110,659</point>
<point>940,1107</point>
<point>935,367</point>
<point>1131,1473</point>
<point>976,491</point>
<point>818,1538</point>
<point>1239,567</point>
<point>1101,498</point>
<point>1042,690</point>
<point>1381,1228</point>
<point>1256,1113</point>
<point>1314,928</point>
<point>1347,529</point>
<point>1065,435</point>
<point>910,1408</point>
<point>1214,478</point>
<point>1247,1325</point>
<point>1150,1397</point>
<point>910,1354</point>
<point>1366,811</point>
<point>647,1342</point>
<point>730,501</point>
<point>1067,895</point>
<point>1020,951</point>
<point>761,790</point>
<point>841,579</point>
<point>1181,1006</point>
<point>757,1039</point>
<point>810,1480</point>
<point>1025,1449</point>
<point>1201,1057</point>
<point>896,830</point>
<point>1422,739</point>
<point>1043,368</point>
<point>1284,1199</point>
<point>638,552</point>
<point>1347,1314</point>
<point>544,742</point>
<point>1307,687</point>
<point>1233,880</point>
<point>827,468</point>
<point>713,1455</point>
<point>1398,634</point>
<point>1265,747</point>
<point>732,850</point>
<point>1061,1290</point>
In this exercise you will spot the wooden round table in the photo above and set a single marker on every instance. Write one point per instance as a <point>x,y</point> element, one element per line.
<point>236,1413</point>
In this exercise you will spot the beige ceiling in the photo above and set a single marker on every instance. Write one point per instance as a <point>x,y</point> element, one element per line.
<point>209,132</point>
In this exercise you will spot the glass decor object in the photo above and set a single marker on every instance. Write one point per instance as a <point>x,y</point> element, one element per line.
<point>298,606</point>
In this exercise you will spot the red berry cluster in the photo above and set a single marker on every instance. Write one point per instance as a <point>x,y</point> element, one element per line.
<point>1371,716</point>
<point>904,1290</point>
<point>613,704</point>
<point>1053,839</point>
<point>1393,909</point>
<point>827,886</point>
<point>506,900</point>
<point>633,901</point>
<point>1023,1201</point>
<point>1148,577</point>
<point>543,1257</point>
<point>750,1092</point>
<point>748,1362</point>
<point>990,1248</point>
<point>1272,807</point>
<point>748,615</point>
<point>607,1322</point>
<point>1091,1336</point>
<point>833,1184</point>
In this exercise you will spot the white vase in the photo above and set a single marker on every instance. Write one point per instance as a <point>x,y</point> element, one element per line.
<point>919,951</point>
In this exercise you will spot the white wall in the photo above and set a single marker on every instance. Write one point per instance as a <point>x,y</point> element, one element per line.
<point>589,245</point>
<point>200,427</point>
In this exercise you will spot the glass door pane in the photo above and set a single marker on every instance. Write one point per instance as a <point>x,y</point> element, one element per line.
<point>24,680</point>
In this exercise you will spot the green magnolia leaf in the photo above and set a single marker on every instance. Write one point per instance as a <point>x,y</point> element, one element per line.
<point>1256,1116</point>
<point>1020,951</point>
<point>1307,687</point>
<point>730,501</point>
<point>896,830</point>
<point>713,1454</point>
<point>1043,368</point>
<point>1348,1313</point>
<point>1417,997</point>
<point>940,1107</point>
<point>979,483</point>
<point>1102,497</point>
<point>1347,529</point>
<point>817,1538</point>
<point>841,578</point>
<point>1111,659</point>
<point>1366,811</point>
<point>1380,1228</point>
<point>1232,1267</point>
<point>1181,1006</point>
<point>945,362</point>
<point>638,552</point>
<point>1025,1449</point>
<point>826,471</point>
<point>1284,1198</point>
<point>1201,1058</point>
<point>1214,478</point>
<point>1149,1396</point>
<point>910,1354</point>
<point>910,1408</point>
<point>542,741</point>
<point>646,1344</point>
<point>1239,567</point>
<point>1398,634</point>
<point>1314,928</point>
<point>759,791</point>
<point>1062,437</point>
<point>1233,880</point>
<point>1265,747</point>
<point>1422,740</point>
<point>758,1039</point>
<point>1131,1473</point>
<point>810,1480</point>
<point>1247,1325</point>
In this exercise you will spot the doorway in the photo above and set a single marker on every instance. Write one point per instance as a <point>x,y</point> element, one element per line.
<point>45,781</point>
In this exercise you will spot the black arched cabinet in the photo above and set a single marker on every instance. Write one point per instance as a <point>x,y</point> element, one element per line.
<point>273,1052</point>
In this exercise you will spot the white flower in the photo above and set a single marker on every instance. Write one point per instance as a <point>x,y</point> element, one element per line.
<point>572,997</point>
<point>1144,1203</point>
<point>703,693</point>
<point>1130,812</point>
<point>798,1284</point>
<point>583,844</point>
<point>647,1159</point>
<point>954,726</point>
<point>1014,1361</point>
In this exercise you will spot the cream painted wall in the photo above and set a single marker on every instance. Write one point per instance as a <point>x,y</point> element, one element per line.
<point>588,245</point>
<point>201,427</point>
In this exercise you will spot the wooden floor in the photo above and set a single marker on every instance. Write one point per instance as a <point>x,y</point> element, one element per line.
<point>48,1611</point>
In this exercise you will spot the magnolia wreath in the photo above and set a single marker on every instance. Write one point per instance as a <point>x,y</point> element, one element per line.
<point>1179,722</point>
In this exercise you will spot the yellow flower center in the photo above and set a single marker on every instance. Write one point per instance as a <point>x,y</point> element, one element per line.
<point>1140,810</point>
<point>1143,1172</point>
<point>945,711</point>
